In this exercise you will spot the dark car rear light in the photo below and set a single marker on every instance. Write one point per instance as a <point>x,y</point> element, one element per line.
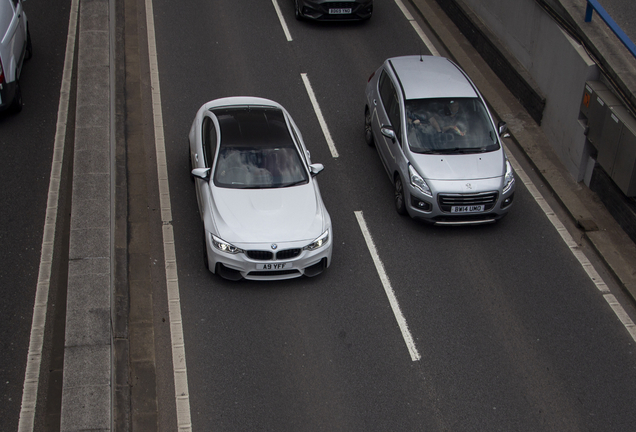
<point>371,76</point>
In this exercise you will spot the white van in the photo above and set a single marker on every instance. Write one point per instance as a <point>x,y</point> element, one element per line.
<point>15,47</point>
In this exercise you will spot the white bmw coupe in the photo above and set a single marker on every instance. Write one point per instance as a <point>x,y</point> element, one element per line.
<point>262,212</point>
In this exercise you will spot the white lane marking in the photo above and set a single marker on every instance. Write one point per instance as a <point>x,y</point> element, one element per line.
<point>283,23</point>
<point>417,28</point>
<point>34,357</point>
<point>379,266</point>
<point>321,119</point>
<point>182,395</point>
<point>574,248</point>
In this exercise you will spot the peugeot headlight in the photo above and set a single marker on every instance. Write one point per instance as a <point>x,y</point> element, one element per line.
<point>224,246</point>
<point>418,181</point>
<point>319,242</point>
<point>509,177</point>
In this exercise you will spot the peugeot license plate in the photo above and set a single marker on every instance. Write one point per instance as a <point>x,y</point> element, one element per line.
<point>467,209</point>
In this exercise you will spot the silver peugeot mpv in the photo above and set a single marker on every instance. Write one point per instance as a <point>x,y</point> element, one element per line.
<point>438,142</point>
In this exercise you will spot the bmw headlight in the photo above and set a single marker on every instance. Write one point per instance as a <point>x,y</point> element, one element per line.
<point>418,181</point>
<point>509,178</point>
<point>319,242</point>
<point>224,246</point>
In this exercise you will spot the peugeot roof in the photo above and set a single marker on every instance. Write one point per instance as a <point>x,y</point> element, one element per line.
<point>431,77</point>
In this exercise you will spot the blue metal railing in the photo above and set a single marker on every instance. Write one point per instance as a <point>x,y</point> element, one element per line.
<point>594,5</point>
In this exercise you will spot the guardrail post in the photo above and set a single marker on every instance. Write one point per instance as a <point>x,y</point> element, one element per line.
<point>589,11</point>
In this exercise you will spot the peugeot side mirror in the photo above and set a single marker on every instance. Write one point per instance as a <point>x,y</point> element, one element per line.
<point>502,127</point>
<point>388,132</point>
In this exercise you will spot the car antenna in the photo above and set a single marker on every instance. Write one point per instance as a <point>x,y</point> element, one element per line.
<point>421,59</point>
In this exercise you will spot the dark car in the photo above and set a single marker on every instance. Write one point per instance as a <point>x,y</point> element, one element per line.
<point>334,10</point>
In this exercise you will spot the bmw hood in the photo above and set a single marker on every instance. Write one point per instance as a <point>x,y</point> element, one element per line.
<point>269,215</point>
<point>460,166</point>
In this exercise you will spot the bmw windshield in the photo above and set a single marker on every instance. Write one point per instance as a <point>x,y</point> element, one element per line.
<point>256,150</point>
<point>449,126</point>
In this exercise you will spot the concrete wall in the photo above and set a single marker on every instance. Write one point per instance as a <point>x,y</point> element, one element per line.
<point>558,65</point>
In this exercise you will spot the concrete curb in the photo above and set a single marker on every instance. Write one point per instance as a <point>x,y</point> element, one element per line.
<point>86,393</point>
<point>610,241</point>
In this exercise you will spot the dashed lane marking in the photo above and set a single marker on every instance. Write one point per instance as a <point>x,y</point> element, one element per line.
<point>386,283</point>
<point>321,119</point>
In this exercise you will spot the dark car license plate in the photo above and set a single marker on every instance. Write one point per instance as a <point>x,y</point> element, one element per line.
<point>339,11</point>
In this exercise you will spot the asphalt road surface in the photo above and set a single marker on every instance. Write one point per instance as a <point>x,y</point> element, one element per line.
<point>511,332</point>
<point>27,141</point>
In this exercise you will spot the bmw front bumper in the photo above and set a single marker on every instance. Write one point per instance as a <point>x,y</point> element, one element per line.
<point>260,262</point>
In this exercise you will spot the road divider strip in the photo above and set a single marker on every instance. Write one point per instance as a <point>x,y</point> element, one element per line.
<point>321,119</point>
<point>395,306</point>
<point>182,395</point>
<point>26,422</point>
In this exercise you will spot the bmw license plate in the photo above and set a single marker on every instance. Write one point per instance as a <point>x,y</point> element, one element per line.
<point>467,209</point>
<point>339,11</point>
<point>274,266</point>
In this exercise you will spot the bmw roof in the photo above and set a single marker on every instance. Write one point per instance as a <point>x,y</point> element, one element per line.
<point>431,77</point>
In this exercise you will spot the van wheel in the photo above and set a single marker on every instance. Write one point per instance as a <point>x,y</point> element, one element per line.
<point>16,105</point>
<point>297,11</point>
<point>29,46</point>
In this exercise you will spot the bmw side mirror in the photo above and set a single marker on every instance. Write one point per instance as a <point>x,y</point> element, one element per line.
<point>388,132</point>
<point>202,173</point>
<point>315,169</point>
<point>503,129</point>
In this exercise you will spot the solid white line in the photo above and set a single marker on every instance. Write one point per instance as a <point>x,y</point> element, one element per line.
<point>574,248</point>
<point>321,119</point>
<point>34,357</point>
<point>379,266</point>
<point>182,395</point>
<point>417,28</point>
<point>282,21</point>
